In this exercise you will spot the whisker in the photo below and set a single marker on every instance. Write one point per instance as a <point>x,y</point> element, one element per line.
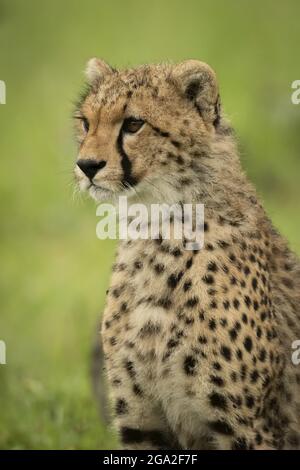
<point>132,188</point>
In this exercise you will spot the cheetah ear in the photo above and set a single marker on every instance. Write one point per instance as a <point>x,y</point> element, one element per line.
<point>199,84</point>
<point>96,70</point>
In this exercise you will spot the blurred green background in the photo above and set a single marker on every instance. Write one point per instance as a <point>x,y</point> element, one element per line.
<point>54,272</point>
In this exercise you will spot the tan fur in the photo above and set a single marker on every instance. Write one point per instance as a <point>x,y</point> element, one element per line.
<point>197,344</point>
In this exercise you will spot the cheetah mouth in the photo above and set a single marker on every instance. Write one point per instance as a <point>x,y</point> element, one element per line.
<point>99,192</point>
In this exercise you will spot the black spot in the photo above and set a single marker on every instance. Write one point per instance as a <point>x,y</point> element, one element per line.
<point>179,160</point>
<point>211,291</point>
<point>233,334</point>
<point>225,269</point>
<point>208,279</point>
<point>187,285</point>
<point>218,401</point>
<point>239,354</point>
<point>254,283</point>
<point>150,328</point>
<point>212,324</point>
<point>116,382</point>
<point>258,332</point>
<point>201,315</point>
<point>189,321</point>
<point>189,263</point>
<point>175,143</point>
<point>226,353</point>
<point>212,267</point>
<point>138,264</point>
<point>137,390</point>
<point>164,302</point>
<point>189,365</point>
<point>232,257</point>
<point>247,300</point>
<point>190,303</point>
<point>172,343</point>
<point>217,380</point>
<point>226,304</point>
<point>202,339</point>
<point>176,252</point>
<point>252,258</point>
<point>174,279</point>
<point>263,316</point>
<point>246,270</point>
<point>130,368</point>
<point>249,401</point>
<point>121,407</point>
<point>221,427</point>
<point>248,344</point>
<point>240,444</point>
<point>262,355</point>
<point>236,304</point>
<point>222,244</point>
<point>159,268</point>
<point>233,376</point>
<point>254,376</point>
<point>116,293</point>
<point>243,371</point>
<point>138,436</point>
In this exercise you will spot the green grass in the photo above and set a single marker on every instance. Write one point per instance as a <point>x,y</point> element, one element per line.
<point>54,272</point>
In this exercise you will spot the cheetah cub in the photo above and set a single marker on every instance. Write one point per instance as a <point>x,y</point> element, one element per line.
<point>197,344</point>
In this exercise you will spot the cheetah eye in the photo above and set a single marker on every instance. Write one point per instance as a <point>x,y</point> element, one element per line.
<point>132,125</point>
<point>85,124</point>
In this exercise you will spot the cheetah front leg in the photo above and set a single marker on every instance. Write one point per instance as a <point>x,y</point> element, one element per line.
<point>139,422</point>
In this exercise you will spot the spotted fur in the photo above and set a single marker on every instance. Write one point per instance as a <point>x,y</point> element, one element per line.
<point>197,344</point>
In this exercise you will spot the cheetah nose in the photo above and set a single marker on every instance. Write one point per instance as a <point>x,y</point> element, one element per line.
<point>90,166</point>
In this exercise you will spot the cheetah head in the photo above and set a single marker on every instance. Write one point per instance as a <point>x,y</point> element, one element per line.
<point>145,130</point>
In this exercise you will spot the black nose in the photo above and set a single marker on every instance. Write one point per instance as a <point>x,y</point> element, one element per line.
<point>90,167</point>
